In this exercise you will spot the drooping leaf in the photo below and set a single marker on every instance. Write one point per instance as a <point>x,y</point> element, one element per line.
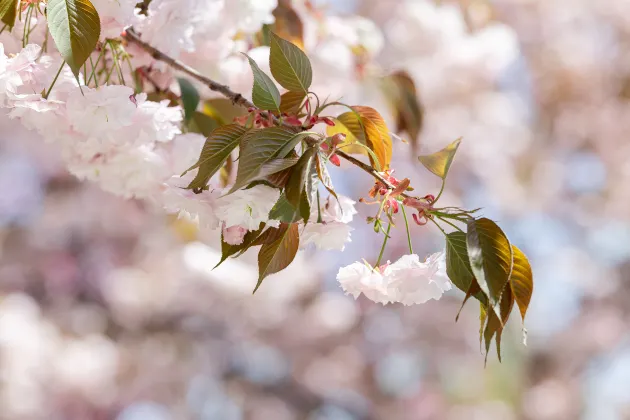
<point>8,12</point>
<point>75,27</point>
<point>289,65</point>
<point>440,162</point>
<point>490,255</point>
<point>215,152</point>
<point>202,123</point>
<point>287,23</point>
<point>265,94</point>
<point>324,175</point>
<point>228,250</point>
<point>290,102</point>
<point>400,89</point>
<point>277,256</point>
<point>259,148</point>
<point>369,129</point>
<point>457,263</point>
<point>496,325</point>
<point>190,97</point>
<point>521,281</point>
<point>298,179</point>
<point>284,211</point>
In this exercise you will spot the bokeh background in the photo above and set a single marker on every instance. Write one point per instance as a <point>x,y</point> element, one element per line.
<point>110,310</point>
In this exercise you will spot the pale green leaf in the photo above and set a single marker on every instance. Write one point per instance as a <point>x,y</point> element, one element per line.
<point>265,94</point>
<point>260,148</point>
<point>440,162</point>
<point>75,27</point>
<point>215,151</point>
<point>228,250</point>
<point>289,65</point>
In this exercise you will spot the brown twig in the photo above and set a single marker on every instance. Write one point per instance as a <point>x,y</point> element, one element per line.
<point>131,36</point>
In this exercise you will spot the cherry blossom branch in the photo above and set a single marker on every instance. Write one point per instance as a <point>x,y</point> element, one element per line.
<point>131,36</point>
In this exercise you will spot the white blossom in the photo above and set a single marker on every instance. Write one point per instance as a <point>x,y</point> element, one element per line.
<point>412,281</point>
<point>247,208</point>
<point>360,277</point>
<point>115,16</point>
<point>99,111</point>
<point>329,236</point>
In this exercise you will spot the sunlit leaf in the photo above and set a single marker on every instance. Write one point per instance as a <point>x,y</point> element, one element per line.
<point>440,162</point>
<point>75,27</point>
<point>369,128</point>
<point>490,255</point>
<point>290,102</point>
<point>289,65</point>
<point>190,97</point>
<point>277,256</point>
<point>401,92</point>
<point>521,281</point>
<point>215,151</point>
<point>259,148</point>
<point>8,12</point>
<point>265,94</point>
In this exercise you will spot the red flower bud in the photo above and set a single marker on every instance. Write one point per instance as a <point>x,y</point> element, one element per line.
<point>328,121</point>
<point>334,159</point>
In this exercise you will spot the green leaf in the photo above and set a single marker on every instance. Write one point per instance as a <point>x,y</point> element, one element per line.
<point>440,162</point>
<point>296,184</point>
<point>290,102</point>
<point>284,211</point>
<point>215,152</point>
<point>259,148</point>
<point>228,250</point>
<point>202,123</point>
<point>8,12</point>
<point>75,27</point>
<point>521,281</point>
<point>289,65</point>
<point>190,97</point>
<point>265,94</point>
<point>490,255</point>
<point>369,129</point>
<point>276,256</point>
<point>457,264</point>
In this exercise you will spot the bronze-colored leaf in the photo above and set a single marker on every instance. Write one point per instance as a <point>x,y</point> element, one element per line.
<point>521,281</point>
<point>401,91</point>
<point>288,24</point>
<point>495,324</point>
<point>276,256</point>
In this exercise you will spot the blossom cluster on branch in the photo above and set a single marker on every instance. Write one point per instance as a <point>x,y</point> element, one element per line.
<point>261,178</point>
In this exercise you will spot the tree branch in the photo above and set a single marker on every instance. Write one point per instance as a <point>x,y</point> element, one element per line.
<point>131,36</point>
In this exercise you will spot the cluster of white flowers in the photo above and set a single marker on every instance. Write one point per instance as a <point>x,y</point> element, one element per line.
<point>333,232</point>
<point>407,281</point>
